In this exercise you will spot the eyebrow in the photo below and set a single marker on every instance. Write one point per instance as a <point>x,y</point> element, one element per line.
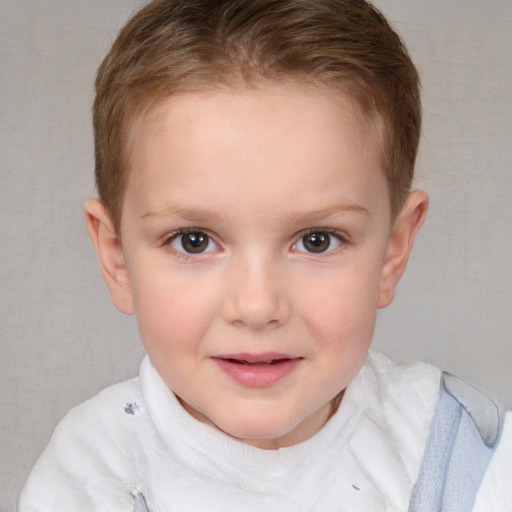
<point>191,214</point>
<point>329,211</point>
<point>204,214</point>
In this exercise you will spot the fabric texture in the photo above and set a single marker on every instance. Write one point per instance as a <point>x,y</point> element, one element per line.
<point>458,450</point>
<point>495,493</point>
<point>134,448</point>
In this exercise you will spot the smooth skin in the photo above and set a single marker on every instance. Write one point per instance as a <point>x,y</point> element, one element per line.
<point>256,221</point>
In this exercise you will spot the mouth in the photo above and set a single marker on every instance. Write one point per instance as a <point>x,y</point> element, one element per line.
<point>270,362</point>
<point>257,371</point>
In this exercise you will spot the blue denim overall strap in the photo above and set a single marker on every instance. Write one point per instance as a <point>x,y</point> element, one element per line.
<point>464,434</point>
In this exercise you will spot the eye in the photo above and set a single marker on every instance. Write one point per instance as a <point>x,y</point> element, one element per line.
<point>192,242</point>
<point>318,242</point>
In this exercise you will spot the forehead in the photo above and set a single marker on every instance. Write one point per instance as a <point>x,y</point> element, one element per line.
<point>288,96</point>
<point>270,139</point>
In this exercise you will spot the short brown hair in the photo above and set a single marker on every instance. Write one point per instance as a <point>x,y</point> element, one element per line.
<point>173,46</point>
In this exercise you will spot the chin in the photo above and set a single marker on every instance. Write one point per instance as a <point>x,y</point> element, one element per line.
<point>268,435</point>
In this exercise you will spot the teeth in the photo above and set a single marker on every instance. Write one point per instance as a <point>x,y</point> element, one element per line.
<point>258,363</point>
<point>269,362</point>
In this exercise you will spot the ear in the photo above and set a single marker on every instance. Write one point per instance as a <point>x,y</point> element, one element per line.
<point>110,254</point>
<point>401,240</point>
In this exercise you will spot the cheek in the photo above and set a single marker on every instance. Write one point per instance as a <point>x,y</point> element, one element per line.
<point>172,314</point>
<point>341,309</point>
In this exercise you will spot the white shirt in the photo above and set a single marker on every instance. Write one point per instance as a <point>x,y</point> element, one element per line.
<point>136,437</point>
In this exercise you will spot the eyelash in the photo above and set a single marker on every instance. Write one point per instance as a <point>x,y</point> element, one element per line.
<point>180,233</point>
<point>331,233</point>
<point>341,238</point>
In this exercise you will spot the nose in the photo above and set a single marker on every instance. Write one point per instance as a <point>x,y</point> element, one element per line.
<point>255,296</point>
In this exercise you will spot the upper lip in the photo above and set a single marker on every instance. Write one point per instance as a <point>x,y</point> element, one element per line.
<point>256,358</point>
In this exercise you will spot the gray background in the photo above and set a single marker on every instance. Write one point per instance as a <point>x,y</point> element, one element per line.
<point>62,340</point>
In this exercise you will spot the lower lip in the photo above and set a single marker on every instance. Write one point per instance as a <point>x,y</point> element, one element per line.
<point>255,376</point>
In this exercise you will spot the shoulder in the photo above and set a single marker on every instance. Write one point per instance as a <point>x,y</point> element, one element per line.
<point>495,493</point>
<point>411,387</point>
<point>493,436</point>
<point>463,437</point>
<point>90,456</point>
<point>401,372</point>
<point>482,410</point>
<point>399,400</point>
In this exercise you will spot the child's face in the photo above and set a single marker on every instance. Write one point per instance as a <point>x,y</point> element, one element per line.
<point>255,234</point>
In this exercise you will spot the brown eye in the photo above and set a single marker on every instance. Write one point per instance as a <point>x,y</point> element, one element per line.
<point>193,242</point>
<point>316,242</point>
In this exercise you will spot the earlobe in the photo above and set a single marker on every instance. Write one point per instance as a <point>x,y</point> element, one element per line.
<point>109,250</point>
<point>401,240</point>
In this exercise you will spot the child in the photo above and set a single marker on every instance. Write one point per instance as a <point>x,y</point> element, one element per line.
<point>254,162</point>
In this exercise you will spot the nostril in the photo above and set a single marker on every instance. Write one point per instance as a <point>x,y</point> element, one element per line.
<point>255,316</point>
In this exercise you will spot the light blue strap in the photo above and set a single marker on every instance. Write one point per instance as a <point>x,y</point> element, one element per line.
<point>428,494</point>
<point>457,453</point>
